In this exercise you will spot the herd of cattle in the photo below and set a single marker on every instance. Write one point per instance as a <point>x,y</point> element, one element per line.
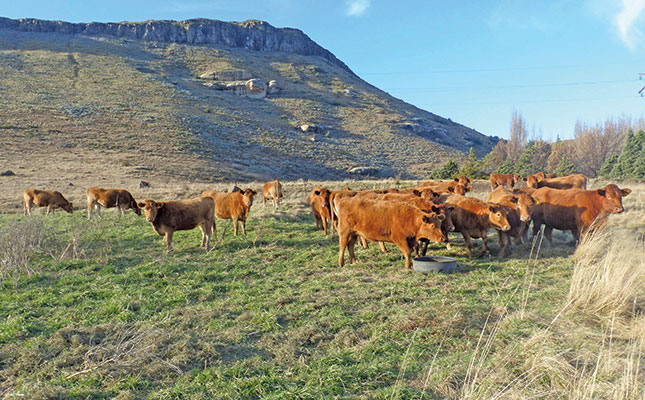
<point>409,218</point>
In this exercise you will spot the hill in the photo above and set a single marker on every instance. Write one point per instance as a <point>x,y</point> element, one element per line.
<point>125,101</point>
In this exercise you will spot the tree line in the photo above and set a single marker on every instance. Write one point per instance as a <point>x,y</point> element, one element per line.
<point>612,149</point>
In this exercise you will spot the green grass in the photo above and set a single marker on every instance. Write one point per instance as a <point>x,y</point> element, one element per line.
<point>269,315</point>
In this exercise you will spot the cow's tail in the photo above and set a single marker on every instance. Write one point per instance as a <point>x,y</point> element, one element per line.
<point>279,189</point>
<point>333,212</point>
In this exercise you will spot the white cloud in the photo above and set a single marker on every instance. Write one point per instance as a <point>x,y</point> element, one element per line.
<point>626,22</point>
<point>356,8</point>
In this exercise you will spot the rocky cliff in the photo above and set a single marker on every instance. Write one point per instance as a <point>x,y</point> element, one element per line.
<point>251,35</point>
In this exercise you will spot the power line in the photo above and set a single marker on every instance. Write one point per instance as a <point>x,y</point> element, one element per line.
<point>443,89</point>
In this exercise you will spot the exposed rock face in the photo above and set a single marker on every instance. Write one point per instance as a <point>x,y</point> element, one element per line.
<point>251,88</point>
<point>273,87</point>
<point>227,75</point>
<point>251,34</point>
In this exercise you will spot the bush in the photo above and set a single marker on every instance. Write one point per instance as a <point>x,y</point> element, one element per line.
<point>448,171</point>
<point>19,241</point>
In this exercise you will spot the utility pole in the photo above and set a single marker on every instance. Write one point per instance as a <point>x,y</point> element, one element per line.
<point>640,77</point>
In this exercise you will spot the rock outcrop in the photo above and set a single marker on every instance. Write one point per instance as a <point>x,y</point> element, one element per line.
<point>251,35</point>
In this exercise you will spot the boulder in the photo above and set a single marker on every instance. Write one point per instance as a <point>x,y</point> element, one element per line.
<point>256,88</point>
<point>143,185</point>
<point>8,173</point>
<point>311,128</point>
<point>227,75</point>
<point>273,87</point>
<point>365,171</point>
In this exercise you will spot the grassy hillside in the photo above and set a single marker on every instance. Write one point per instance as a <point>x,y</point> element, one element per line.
<point>138,107</point>
<point>99,311</point>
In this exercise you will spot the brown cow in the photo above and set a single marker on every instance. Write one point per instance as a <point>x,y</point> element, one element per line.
<point>383,221</point>
<point>108,198</point>
<point>474,218</point>
<point>272,191</point>
<point>51,199</point>
<point>519,214</point>
<point>575,181</point>
<point>455,186</point>
<point>167,217</point>
<point>320,207</point>
<point>233,206</point>
<point>575,210</point>
<point>343,192</point>
<point>506,180</point>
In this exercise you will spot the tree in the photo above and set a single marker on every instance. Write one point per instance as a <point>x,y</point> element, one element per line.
<point>628,157</point>
<point>565,167</point>
<point>594,144</point>
<point>608,166</point>
<point>495,158</point>
<point>508,167</point>
<point>449,170</point>
<point>525,164</point>
<point>517,141</point>
<point>558,151</point>
<point>471,167</point>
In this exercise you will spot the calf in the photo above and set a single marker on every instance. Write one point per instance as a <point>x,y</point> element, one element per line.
<point>233,206</point>
<point>518,213</point>
<point>575,210</point>
<point>272,191</point>
<point>474,218</point>
<point>575,181</point>
<point>383,221</point>
<point>506,180</point>
<point>167,217</point>
<point>108,198</point>
<point>320,207</point>
<point>51,199</point>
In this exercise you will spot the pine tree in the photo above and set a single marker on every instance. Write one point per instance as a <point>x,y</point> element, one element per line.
<point>507,168</point>
<point>565,167</point>
<point>525,164</point>
<point>624,167</point>
<point>608,166</point>
<point>471,167</point>
<point>449,170</point>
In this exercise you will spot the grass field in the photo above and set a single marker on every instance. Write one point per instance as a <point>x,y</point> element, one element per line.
<point>96,309</point>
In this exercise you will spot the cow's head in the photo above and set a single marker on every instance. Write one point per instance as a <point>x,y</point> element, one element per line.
<point>532,181</point>
<point>150,209</point>
<point>462,189</point>
<point>613,197</point>
<point>321,197</point>
<point>430,227</point>
<point>248,194</point>
<point>68,207</point>
<point>524,204</point>
<point>426,194</point>
<point>498,216</point>
<point>445,210</point>
<point>463,180</point>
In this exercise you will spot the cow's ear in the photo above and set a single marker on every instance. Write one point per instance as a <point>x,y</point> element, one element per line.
<point>456,179</point>
<point>317,192</point>
<point>492,209</point>
<point>525,179</point>
<point>451,189</point>
<point>625,191</point>
<point>159,205</point>
<point>141,205</point>
<point>435,209</point>
<point>601,192</point>
<point>514,200</point>
<point>416,192</point>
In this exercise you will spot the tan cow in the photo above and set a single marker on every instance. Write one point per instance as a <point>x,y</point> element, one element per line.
<point>51,199</point>
<point>166,217</point>
<point>383,221</point>
<point>574,181</point>
<point>272,191</point>
<point>506,180</point>
<point>108,198</point>
<point>233,206</point>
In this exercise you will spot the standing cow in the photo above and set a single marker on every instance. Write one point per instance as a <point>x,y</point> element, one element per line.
<point>51,199</point>
<point>108,198</point>
<point>233,206</point>
<point>272,191</point>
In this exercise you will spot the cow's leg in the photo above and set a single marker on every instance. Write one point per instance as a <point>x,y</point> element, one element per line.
<point>342,243</point>
<point>324,224</point>
<point>363,242</point>
<point>264,201</point>
<point>485,247</point>
<point>49,209</point>
<point>350,246</point>
<point>206,234</point>
<point>423,247</point>
<point>548,233</point>
<point>28,206</point>
<point>503,242</point>
<point>405,249</point>
<point>169,241</point>
<point>98,209</point>
<point>576,234</point>
<point>243,221</point>
<point>234,226</point>
<point>382,246</point>
<point>469,243</point>
<point>275,203</point>
<point>318,220</point>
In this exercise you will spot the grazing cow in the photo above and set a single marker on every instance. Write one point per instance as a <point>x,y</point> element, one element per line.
<point>383,221</point>
<point>506,180</point>
<point>233,206</point>
<point>576,210</point>
<point>108,198</point>
<point>272,191</point>
<point>575,181</point>
<point>51,199</point>
<point>167,217</point>
<point>320,207</point>
<point>519,214</point>
<point>474,218</point>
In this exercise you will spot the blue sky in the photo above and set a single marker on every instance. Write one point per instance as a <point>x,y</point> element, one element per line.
<point>475,62</point>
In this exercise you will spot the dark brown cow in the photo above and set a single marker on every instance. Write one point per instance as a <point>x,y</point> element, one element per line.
<point>108,198</point>
<point>272,191</point>
<point>320,207</point>
<point>167,217</point>
<point>233,206</point>
<point>383,221</point>
<point>474,218</point>
<point>519,214</point>
<point>575,210</point>
<point>575,181</point>
<point>51,199</point>
<point>506,180</point>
